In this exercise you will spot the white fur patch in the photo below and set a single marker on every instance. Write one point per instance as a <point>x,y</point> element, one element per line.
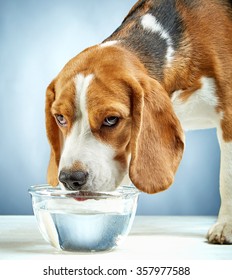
<point>225,179</point>
<point>199,110</point>
<point>221,232</point>
<point>108,43</point>
<point>82,84</point>
<point>81,146</point>
<point>150,23</point>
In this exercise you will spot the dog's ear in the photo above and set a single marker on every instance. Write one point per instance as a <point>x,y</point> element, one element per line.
<point>54,137</point>
<point>157,139</point>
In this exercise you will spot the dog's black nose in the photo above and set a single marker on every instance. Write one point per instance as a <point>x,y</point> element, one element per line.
<point>73,180</point>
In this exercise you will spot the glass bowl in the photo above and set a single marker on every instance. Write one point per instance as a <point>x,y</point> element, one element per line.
<point>82,220</point>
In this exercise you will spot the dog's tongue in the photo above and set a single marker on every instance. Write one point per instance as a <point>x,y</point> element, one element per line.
<point>80,198</point>
<point>84,195</point>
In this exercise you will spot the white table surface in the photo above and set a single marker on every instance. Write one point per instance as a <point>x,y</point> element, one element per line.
<point>151,237</point>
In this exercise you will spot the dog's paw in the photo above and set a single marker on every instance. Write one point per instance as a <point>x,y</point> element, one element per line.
<point>220,233</point>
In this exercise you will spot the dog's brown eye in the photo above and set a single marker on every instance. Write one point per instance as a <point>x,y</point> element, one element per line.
<point>61,120</point>
<point>110,121</point>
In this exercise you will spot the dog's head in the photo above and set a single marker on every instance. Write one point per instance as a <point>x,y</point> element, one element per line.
<point>105,117</point>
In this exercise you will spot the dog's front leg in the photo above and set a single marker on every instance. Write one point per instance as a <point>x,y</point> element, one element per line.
<point>221,232</point>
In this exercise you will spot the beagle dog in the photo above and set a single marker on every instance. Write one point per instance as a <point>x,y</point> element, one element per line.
<point>119,108</point>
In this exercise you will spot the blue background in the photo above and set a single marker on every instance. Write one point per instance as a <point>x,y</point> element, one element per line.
<point>36,39</point>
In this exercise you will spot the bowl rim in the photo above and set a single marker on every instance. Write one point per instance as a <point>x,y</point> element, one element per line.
<point>46,190</point>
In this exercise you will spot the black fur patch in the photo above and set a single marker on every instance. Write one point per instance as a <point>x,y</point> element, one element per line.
<point>150,46</point>
<point>167,15</point>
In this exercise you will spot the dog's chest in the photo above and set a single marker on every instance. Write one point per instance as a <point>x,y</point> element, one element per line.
<point>198,111</point>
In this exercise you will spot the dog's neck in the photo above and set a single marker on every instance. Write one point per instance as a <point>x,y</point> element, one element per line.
<point>155,31</point>
<point>152,31</point>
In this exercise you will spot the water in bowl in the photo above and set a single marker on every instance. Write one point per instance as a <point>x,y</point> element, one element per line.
<point>84,231</point>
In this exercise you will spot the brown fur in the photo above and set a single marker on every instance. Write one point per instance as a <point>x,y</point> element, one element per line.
<point>157,138</point>
<point>53,137</point>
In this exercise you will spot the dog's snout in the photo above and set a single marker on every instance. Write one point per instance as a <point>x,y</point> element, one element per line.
<point>73,180</point>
